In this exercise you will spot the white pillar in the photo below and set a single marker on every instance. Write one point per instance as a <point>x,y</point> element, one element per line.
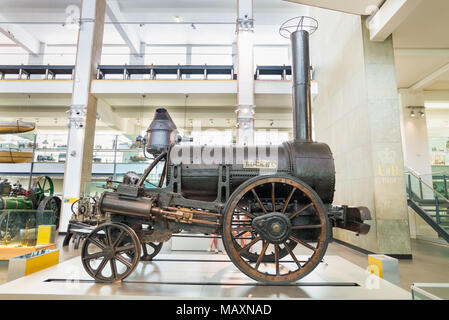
<point>415,139</point>
<point>245,73</point>
<point>83,110</point>
<point>415,144</point>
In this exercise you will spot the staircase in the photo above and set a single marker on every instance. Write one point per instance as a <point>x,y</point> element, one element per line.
<point>429,204</point>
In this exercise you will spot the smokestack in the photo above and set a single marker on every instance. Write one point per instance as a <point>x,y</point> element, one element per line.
<point>298,30</point>
<point>302,109</point>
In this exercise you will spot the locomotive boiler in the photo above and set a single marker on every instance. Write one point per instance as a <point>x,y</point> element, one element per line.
<point>272,205</point>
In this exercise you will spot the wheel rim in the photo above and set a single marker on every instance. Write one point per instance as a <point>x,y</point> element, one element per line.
<point>111,252</point>
<point>278,200</point>
<point>150,250</point>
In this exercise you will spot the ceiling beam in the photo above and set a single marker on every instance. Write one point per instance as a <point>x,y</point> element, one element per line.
<point>126,31</point>
<point>20,36</point>
<point>389,17</point>
<point>430,79</point>
<point>109,117</point>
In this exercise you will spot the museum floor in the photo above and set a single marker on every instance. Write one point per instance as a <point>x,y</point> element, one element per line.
<point>430,261</point>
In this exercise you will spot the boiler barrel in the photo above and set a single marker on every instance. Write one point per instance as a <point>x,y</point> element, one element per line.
<point>311,162</point>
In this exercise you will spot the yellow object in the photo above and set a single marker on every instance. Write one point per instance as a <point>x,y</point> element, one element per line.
<point>10,251</point>
<point>42,262</point>
<point>375,266</point>
<point>70,200</point>
<point>43,235</point>
<point>15,157</point>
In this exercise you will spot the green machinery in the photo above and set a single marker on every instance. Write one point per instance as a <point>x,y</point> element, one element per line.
<point>22,208</point>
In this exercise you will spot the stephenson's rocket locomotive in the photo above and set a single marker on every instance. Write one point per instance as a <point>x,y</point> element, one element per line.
<point>272,205</point>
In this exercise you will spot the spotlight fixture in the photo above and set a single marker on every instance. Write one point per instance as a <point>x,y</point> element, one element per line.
<point>177,19</point>
<point>271,123</point>
<point>193,26</point>
<point>211,122</point>
<point>414,110</point>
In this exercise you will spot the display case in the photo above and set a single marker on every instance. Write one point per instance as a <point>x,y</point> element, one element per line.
<point>18,228</point>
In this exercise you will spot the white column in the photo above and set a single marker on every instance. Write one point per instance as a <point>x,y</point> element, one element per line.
<point>415,144</point>
<point>245,73</point>
<point>83,110</point>
<point>415,139</point>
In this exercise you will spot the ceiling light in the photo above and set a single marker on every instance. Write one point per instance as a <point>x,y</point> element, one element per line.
<point>412,114</point>
<point>421,114</point>
<point>177,19</point>
<point>211,122</point>
<point>193,26</point>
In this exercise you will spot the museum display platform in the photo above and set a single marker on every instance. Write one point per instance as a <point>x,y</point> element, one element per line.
<point>200,276</point>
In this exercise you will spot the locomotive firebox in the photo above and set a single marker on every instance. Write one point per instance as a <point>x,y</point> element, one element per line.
<point>267,202</point>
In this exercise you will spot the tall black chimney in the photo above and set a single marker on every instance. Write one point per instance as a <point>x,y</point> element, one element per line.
<point>298,30</point>
<point>302,109</point>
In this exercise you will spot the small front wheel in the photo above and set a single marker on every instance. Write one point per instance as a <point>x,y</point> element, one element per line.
<point>111,252</point>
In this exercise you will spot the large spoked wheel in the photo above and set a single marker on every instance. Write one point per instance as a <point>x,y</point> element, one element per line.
<point>274,214</point>
<point>54,205</point>
<point>42,188</point>
<point>111,252</point>
<point>150,250</point>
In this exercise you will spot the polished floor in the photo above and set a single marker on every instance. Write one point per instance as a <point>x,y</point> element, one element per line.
<point>430,263</point>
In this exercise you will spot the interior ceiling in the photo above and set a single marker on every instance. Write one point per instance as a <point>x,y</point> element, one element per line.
<point>361,7</point>
<point>425,28</point>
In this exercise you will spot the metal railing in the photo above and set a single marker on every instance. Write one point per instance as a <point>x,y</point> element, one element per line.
<point>429,203</point>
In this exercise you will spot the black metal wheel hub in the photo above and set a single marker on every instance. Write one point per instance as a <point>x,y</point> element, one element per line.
<point>273,227</point>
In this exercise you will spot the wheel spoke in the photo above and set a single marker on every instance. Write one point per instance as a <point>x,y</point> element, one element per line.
<point>113,268</point>
<point>258,201</point>
<point>153,245</point>
<point>276,258</point>
<point>272,198</point>
<point>124,261</point>
<point>259,260</point>
<point>308,226</point>
<point>305,244</point>
<point>97,243</point>
<point>108,236</point>
<point>246,213</point>
<point>101,266</point>
<point>288,200</point>
<point>94,256</point>
<point>144,249</point>
<point>124,248</point>
<point>292,255</point>
<point>240,234</point>
<point>294,214</point>
<point>119,239</point>
<point>249,245</point>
